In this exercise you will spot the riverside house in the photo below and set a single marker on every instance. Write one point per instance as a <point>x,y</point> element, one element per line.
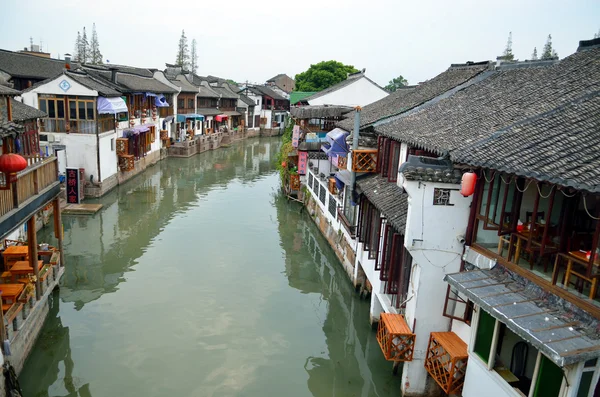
<point>489,285</point>
<point>30,271</point>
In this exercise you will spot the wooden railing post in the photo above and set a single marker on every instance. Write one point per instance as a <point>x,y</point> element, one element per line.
<point>58,230</point>
<point>36,185</point>
<point>15,194</point>
<point>33,254</point>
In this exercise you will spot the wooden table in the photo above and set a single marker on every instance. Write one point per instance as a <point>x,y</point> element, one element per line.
<point>505,373</point>
<point>524,237</point>
<point>10,292</point>
<point>580,258</point>
<point>23,267</point>
<point>15,253</point>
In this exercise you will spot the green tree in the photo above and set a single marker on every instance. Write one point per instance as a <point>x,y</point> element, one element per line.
<point>84,48</point>
<point>183,52</point>
<point>534,55</point>
<point>508,54</point>
<point>77,47</point>
<point>194,56</point>
<point>395,83</point>
<point>549,52</point>
<point>95,54</point>
<point>323,75</point>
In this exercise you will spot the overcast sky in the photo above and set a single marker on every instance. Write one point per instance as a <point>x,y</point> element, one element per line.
<point>255,40</point>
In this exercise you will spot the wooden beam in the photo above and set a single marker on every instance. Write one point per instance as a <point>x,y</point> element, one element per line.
<point>33,255</point>
<point>58,230</point>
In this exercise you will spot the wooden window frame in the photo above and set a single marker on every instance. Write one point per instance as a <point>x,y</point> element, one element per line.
<point>394,161</point>
<point>375,234</point>
<point>467,315</point>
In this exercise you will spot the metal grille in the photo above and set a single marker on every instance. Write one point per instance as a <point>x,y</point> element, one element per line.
<point>322,194</point>
<point>332,206</point>
<point>310,181</point>
<point>315,186</point>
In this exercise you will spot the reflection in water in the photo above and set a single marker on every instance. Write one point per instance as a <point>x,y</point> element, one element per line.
<point>180,286</point>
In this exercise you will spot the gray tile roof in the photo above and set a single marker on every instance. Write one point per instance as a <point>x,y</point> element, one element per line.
<point>405,99</point>
<point>31,66</point>
<point>388,198</point>
<point>262,90</point>
<point>22,112</point>
<point>208,111</point>
<point>129,83</point>
<point>225,92</point>
<point>278,76</point>
<point>206,92</point>
<point>502,99</point>
<point>247,100</point>
<point>185,85</point>
<point>559,146</point>
<point>350,80</point>
<point>104,89</point>
<point>4,90</point>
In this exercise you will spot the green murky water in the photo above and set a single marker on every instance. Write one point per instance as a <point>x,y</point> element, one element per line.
<point>197,279</point>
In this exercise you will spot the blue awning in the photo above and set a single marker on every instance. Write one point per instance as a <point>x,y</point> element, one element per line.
<point>181,118</point>
<point>160,101</point>
<point>336,145</point>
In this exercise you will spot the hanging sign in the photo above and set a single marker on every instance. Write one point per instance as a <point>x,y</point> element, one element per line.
<point>295,136</point>
<point>73,186</point>
<point>302,157</point>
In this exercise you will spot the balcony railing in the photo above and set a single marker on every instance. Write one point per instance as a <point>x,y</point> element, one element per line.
<point>41,173</point>
<point>78,126</point>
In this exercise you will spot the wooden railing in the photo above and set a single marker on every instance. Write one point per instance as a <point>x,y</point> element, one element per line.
<point>78,126</point>
<point>364,160</point>
<point>41,173</point>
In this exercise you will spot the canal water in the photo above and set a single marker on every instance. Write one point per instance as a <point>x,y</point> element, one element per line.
<point>198,279</point>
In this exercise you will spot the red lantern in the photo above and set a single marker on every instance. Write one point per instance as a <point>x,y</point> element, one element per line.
<point>10,164</point>
<point>468,184</point>
<point>284,164</point>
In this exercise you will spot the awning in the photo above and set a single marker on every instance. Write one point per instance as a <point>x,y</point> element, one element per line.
<point>181,118</point>
<point>221,117</point>
<point>231,113</point>
<point>344,176</point>
<point>540,320</point>
<point>111,105</point>
<point>138,129</point>
<point>160,101</point>
<point>166,120</point>
<point>336,145</point>
<point>150,94</point>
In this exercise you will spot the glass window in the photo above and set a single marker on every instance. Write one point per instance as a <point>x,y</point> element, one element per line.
<point>484,335</point>
<point>43,105</point>
<point>90,110</point>
<point>81,106</point>
<point>585,384</point>
<point>51,109</point>
<point>60,109</point>
<point>73,110</point>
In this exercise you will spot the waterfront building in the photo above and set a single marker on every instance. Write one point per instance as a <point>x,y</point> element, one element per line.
<point>30,271</point>
<point>283,82</point>
<point>270,110</point>
<point>490,291</point>
<point>356,90</point>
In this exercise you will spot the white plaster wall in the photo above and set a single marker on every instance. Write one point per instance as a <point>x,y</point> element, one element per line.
<point>52,87</point>
<point>463,330</point>
<point>80,151</point>
<point>360,93</point>
<point>108,155</point>
<point>480,381</point>
<point>431,238</point>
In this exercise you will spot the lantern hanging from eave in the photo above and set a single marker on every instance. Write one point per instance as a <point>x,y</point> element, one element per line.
<point>468,181</point>
<point>10,164</point>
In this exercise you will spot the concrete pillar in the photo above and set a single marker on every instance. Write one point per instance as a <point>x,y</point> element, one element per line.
<point>376,308</point>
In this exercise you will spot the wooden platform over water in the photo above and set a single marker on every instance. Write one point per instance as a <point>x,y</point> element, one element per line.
<point>81,209</point>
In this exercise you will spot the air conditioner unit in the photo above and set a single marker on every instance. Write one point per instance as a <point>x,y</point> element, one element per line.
<point>57,138</point>
<point>50,138</point>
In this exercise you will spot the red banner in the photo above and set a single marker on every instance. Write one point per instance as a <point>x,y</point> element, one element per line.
<point>295,136</point>
<point>73,186</point>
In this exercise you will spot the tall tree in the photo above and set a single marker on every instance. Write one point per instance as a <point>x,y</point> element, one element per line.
<point>194,56</point>
<point>323,75</point>
<point>597,35</point>
<point>183,52</point>
<point>395,83</point>
<point>508,54</point>
<point>77,47</point>
<point>84,48</point>
<point>549,52</point>
<point>534,55</point>
<point>95,54</point>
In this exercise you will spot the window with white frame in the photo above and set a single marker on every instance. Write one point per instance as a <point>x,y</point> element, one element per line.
<point>528,371</point>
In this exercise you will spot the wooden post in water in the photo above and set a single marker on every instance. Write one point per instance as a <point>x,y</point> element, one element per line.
<point>58,230</point>
<point>33,254</point>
